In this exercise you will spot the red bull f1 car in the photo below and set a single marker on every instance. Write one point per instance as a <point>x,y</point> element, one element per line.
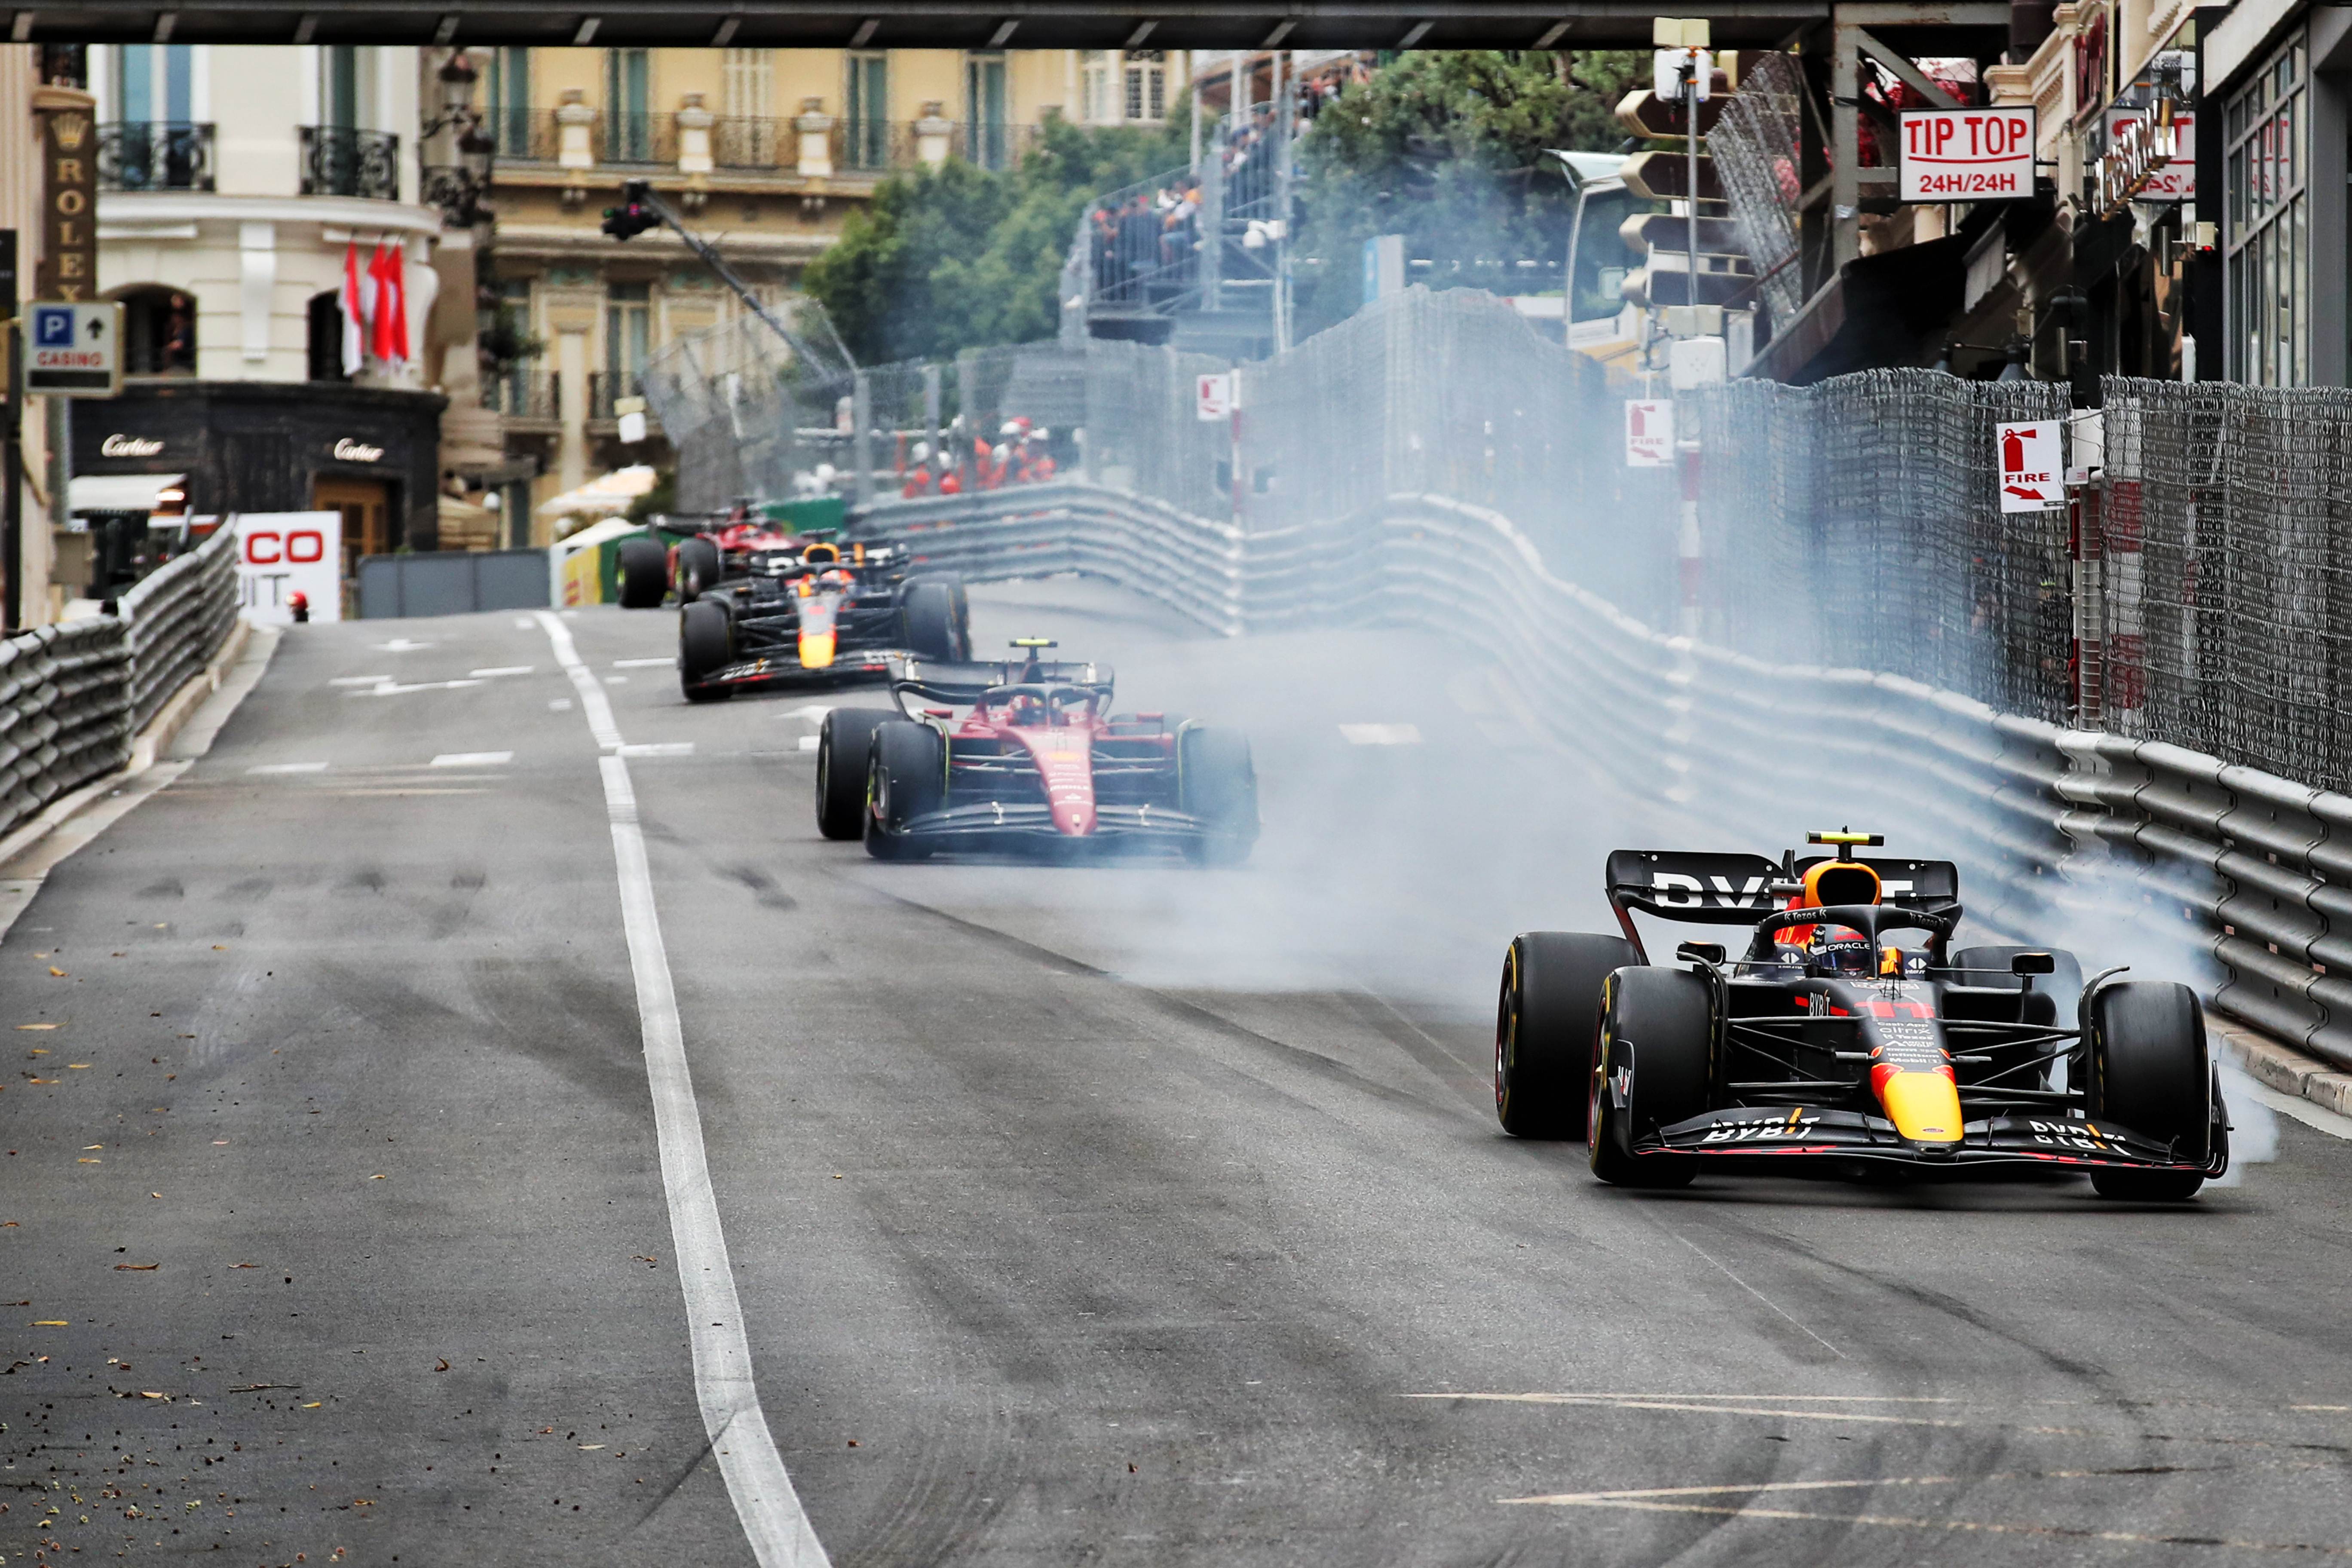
<point>1848,1032</point>
<point>1025,756</point>
<point>817,614</point>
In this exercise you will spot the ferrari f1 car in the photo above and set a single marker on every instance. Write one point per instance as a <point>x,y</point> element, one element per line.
<point>722,546</point>
<point>1037,762</point>
<point>817,614</point>
<point>1849,1033</point>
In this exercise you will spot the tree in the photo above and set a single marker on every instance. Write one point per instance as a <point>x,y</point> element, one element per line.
<point>1446,147</point>
<point>957,257</point>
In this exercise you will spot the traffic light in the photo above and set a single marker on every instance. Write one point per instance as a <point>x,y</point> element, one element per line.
<point>635,214</point>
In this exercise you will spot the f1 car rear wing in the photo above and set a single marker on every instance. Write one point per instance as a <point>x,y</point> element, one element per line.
<point>1708,889</point>
<point>967,683</point>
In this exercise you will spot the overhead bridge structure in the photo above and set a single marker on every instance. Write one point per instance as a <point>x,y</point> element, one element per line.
<point>960,23</point>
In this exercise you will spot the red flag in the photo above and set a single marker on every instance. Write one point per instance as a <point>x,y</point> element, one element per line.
<point>395,272</point>
<point>382,269</point>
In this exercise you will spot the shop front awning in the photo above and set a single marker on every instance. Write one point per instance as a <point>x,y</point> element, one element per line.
<point>118,492</point>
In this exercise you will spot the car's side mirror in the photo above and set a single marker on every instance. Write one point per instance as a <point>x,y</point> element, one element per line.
<point>1699,953</point>
<point>2026,964</point>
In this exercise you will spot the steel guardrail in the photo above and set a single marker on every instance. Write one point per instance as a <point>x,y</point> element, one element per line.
<point>73,696</point>
<point>2052,827</point>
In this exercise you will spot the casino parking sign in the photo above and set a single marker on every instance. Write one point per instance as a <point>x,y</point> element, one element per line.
<point>73,349</point>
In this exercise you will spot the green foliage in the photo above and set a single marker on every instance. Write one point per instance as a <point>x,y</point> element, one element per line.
<point>661,499</point>
<point>958,258</point>
<point>1446,148</point>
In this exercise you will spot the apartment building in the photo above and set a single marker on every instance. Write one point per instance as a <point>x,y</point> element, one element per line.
<point>236,186</point>
<point>766,150</point>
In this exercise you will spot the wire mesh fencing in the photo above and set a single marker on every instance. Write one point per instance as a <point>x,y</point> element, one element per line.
<point>2224,581</point>
<point>1755,149</point>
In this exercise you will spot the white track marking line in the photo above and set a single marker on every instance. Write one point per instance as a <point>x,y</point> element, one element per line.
<point>471,759</point>
<point>809,742</point>
<point>504,669</point>
<point>1381,734</point>
<point>289,768</point>
<point>593,702</point>
<point>659,748</point>
<point>669,663</point>
<point>359,680</point>
<point>394,688</point>
<point>402,644</point>
<point>761,1490</point>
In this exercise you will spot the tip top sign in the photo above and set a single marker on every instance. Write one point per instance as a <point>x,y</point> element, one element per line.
<point>1966,154</point>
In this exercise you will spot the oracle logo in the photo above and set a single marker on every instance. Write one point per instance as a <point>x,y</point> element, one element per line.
<point>267,547</point>
<point>122,446</point>
<point>350,452</point>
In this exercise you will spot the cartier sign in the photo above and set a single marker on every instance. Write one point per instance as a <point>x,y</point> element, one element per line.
<point>121,446</point>
<point>350,452</point>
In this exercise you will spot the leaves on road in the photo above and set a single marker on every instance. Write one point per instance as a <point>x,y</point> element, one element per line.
<point>136,1267</point>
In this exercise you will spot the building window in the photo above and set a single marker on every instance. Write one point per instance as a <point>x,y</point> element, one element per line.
<point>509,101</point>
<point>1147,84</point>
<point>325,337</point>
<point>628,342</point>
<point>1093,87</point>
<point>867,132</point>
<point>628,107</point>
<point>748,137</point>
<point>155,83</point>
<point>159,332</point>
<point>342,88</point>
<point>2269,293</point>
<point>986,109</point>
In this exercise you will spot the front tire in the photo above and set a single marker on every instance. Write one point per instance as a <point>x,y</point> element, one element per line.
<point>1657,1027</point>
<point>2150,1071</point>
<point>705,644</point>
<point>645,573</point>
<point>698,568</point>
<point>935,621</point>
<point>844,748</point>
<point>1544,1024</point>
<point>906,778</point>
<point>1217,783</point>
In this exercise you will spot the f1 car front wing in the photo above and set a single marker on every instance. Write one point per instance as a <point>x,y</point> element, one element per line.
<point>2013,1141</point>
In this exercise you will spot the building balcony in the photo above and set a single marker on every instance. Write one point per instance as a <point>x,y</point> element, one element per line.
<point>525,400</point>
<point>338,161</point>
<point>154,155</point>
<point>630,139</point>
<point>758,145</point>
<point>604,389</point>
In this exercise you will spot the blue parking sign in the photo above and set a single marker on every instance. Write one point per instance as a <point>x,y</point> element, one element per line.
<point>53,326</point>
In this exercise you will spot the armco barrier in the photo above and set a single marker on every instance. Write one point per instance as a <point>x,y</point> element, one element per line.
<point>73,696</point>
<point>2056,829</point>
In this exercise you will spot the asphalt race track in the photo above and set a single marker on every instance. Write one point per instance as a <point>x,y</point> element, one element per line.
<point>1076,1214</point>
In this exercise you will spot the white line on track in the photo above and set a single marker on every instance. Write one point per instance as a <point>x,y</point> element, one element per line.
<point>584,680</point>
<point>660,749</point>
<point>359,680</point>
<point>765,1501</point>
<point>471,759</point>
<point>1381,734</point>
<point>504,669</point>
<point>670,663</point>
<point>290,768</point>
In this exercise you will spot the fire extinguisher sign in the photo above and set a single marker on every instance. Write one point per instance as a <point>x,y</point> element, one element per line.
<point>1649,433</point>
<point>2031,475</point>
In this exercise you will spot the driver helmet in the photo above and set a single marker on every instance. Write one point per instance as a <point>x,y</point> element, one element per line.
<point>1842,950</point>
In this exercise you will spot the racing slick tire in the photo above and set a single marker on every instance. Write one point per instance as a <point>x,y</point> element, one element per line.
<point>936,620</point>
<point>906,776</point>
<point>705,644</point>
<point>843,746</point>
<point>2149,1071</point>
<point>1544,1023</point>
<point>645,573</point>
<point>698,568</point>
<point>1651,1052</point>
<point>1217,783</point>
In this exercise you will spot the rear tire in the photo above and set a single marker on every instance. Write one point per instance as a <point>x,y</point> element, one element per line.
<point>844,746</point>
<point>1657,1029</point>
<point>705,644</point>
<point>936,618</point>
<point>645,573</point>
<point>905,778</point>
<point>2149,1071</point>
<point>1543,1025</point>
<point>698,568</point>
<point>1217,783</point>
